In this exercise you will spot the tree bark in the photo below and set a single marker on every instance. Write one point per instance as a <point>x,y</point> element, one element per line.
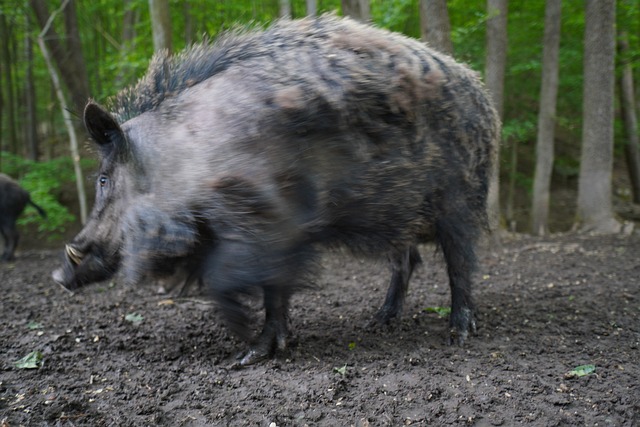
<point>160,25</point>
<point>11,143</point>
<point>546,119</point>
<point>67,57</point>
<point>357,9</point>
<point>629,119</point>
<point>31,132</point>
<point>312,7</point>
<point>1,116</point>
<point>285,9</point>
<point>595,211</point>
<point>435,25</point>
<point>494,76</point>
<point>73,139</point>
<point>128,39</point>
<point>188,23</point>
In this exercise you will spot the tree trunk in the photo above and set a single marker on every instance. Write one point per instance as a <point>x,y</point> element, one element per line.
<point>435,26</point>
<point>546,119</point>
<point>595,212</point>
<point>285,9</point>
<point>129,21</point>
<point>494,76</point>
<point>312,7</point>
<point>30,96</point>
<point>9,89</point>
<point>630,119</point>
<point>73,139</point>
<point>188,23</point>
<point>1,115</point>
<point>357,9</point>
<point>160,24</point>
<point>67,57</point>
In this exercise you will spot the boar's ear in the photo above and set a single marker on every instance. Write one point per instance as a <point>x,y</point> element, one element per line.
<point>102,126</point>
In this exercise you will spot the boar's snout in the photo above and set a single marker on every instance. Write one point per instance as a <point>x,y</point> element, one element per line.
<point>61,279</point>
<point>65,275</point>
<point>83,264</point>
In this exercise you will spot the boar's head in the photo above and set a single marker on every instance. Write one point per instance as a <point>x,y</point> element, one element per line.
<point>126,229</point>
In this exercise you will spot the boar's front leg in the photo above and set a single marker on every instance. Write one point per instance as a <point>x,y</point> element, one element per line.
<point>275,333</point>
<point>402,266</point>
<point>237,267</point>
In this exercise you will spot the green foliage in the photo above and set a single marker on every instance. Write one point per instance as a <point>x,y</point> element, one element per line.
<point>401,16</point>
<point>134,318</point>
<point>44,181</point>
<point>115,61</point>
<point>581,371</point>
<point>32,360</point>
<point>440,311</point>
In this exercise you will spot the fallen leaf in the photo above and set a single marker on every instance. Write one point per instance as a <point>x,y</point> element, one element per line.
<point>32,360</point>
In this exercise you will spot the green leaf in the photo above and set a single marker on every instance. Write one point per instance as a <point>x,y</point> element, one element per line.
<point>134,318</point>
<point>342,371</point>
<point>582,370</point>
<point>440,311</point>
<point>32,360</point>
<point>34,325</point>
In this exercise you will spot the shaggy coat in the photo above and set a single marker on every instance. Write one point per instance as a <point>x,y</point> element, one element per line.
<point>239,158</point>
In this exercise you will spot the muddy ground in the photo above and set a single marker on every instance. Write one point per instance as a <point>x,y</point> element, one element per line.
<point>545,307</point>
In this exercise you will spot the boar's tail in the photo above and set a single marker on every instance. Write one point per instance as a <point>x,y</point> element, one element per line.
<point>41,211</point>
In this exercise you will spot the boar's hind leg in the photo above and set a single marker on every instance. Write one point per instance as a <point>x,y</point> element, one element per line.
<point>402,266</point>
<point>10,236</point>
<point>457,237</point>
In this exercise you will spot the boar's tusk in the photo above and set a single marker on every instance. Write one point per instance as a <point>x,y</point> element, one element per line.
<point>74,255</point>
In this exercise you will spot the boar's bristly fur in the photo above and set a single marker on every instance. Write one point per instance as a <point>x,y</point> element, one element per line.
<point>238,159</point>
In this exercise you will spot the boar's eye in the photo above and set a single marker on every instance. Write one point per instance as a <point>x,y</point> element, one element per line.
<point>103,181</point>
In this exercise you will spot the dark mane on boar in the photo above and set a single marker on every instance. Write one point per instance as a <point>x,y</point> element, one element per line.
<point>239,159</point>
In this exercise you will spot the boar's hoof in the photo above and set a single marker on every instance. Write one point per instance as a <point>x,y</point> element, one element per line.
<point>461,324</point>
<point>251,357</point>
<point>270,341</point>
<point>383,317</point>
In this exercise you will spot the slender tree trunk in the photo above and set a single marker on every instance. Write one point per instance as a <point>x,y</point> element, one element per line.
<point>67,57</point>
<point>160,24</point>
<point>357,9</point>
<point>435,26</point>
<point>1,115</point>
<point>7,58</point>
<point>30,96</point>
<point>188,23</point>
<point>127,43</point>
<point>73,139</point>
<point>629,118</point>
<point>128,39</point>
<point>312,7</point>
<point>285,9</point>
<point>546,119</point>
<point>595,211</point>
<point>494,76</point>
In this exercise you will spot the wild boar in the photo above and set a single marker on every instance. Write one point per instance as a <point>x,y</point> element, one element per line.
<point>243,157</point>
<point>13,200</point>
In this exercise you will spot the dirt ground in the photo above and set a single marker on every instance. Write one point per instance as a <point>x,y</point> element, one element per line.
<point>124,356</point>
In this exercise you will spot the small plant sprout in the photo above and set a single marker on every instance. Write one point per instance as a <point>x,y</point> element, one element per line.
<point>134,318</point>
<point>440,311</point>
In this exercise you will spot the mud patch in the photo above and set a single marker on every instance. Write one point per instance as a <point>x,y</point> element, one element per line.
<point>545,306</point>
